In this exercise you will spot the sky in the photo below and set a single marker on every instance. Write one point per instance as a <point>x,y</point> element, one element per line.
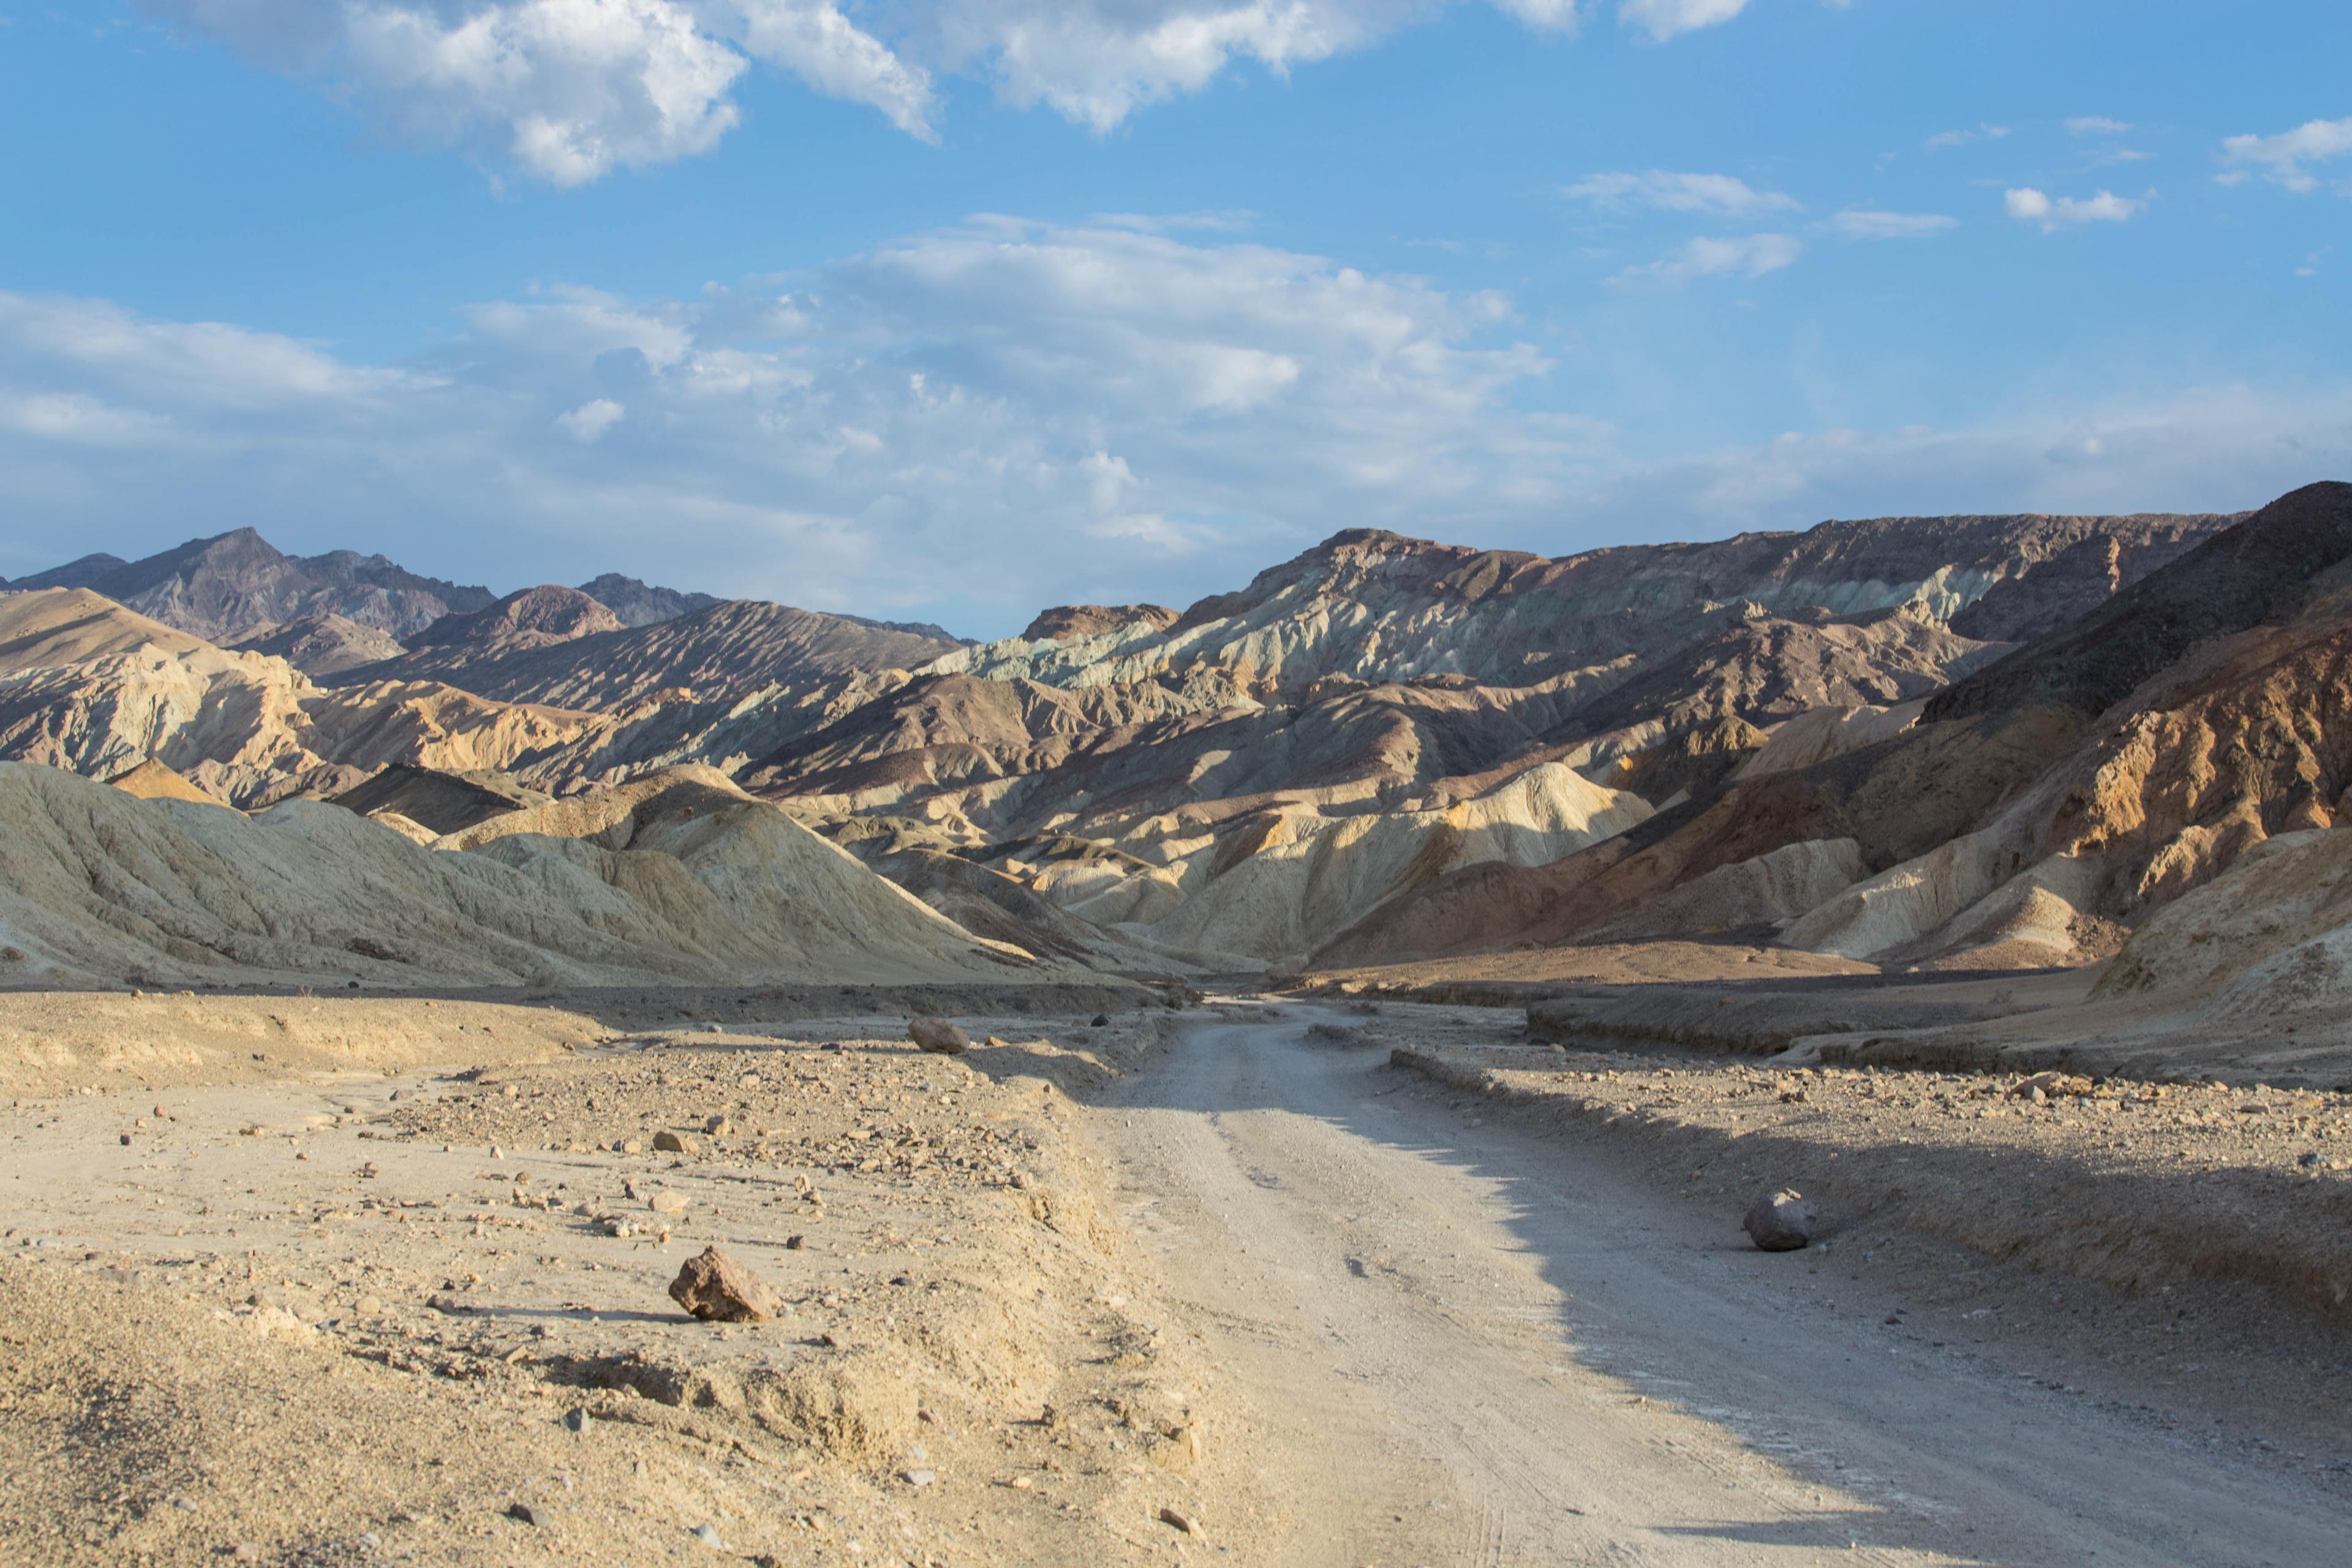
<point>955,308</point>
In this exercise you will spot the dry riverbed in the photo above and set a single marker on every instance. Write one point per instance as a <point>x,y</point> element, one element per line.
<point>380,1314</point>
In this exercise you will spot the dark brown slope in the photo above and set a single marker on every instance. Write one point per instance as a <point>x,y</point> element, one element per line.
<point>2236,722</point>
<point>738,646</point>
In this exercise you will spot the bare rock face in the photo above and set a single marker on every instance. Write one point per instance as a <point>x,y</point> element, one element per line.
<point>717,1289</point>
<point>939,1036</point>
<point>1780,1222</point>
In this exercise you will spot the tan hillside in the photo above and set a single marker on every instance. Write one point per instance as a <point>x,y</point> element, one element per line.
<point>150,779</point>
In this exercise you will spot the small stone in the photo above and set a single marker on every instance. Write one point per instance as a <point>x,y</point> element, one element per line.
<point>1183,1522</point>
<point>709,1537</point>
<point>525,1513</point>
<point>717,1289</point>
<point>939,1036</point>
<point>368,1307</point>
<point>921,1478</point>
<point>795,1243</point>
<point>246,1551</point>
<point>678,1142</point>
<point>1780,1222</point>
<point>126,1140</point>
<point>576,1420</point>
<point>1102,1021</point>
<point>666,1202</point>
<point>629,1146</point>
<point>497,1152</point>
<point>718,1126</point>
<point>1020,1483</point>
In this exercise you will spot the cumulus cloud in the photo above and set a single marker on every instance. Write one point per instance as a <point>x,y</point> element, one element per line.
<point>567,90</point>
<point>2027,204</point>
<point>1863,222</point>
<point>2283,159</point>
<point>1664,19</point>
<point>980,412</point>
<point>1719,195</point>
<point>1748,255</point>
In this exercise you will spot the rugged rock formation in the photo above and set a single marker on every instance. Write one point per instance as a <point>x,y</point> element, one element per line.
<point>561,653</point>
<point>228,586</point>
<point>321,644</point>
<point>638,603</point>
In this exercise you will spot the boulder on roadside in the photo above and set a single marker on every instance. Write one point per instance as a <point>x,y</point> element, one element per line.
<point>1780,1222</point>
<point>717,1289</point>
<point>939,1036</point>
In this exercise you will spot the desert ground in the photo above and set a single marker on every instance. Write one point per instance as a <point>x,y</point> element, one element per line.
<point>1318,1277</point>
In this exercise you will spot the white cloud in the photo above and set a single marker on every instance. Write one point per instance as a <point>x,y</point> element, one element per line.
<point>588,423</point>
<point>2027,204</point>
<point>2096,125</point>
<point>2281,159</point>
<point>1943,139</point>
<point>1719,195</point>
<point>567,90</point>
<point>1748,255</point>
<point>1862,222</point>
<point>1664,19</point>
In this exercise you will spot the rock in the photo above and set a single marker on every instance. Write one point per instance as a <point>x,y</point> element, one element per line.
<point>709,1537</point>
<point>1781,1221</point>
<point>525,1513</point>
<point>921,1478</point>
<point>629,1146</point>
<point>666,1202</point>
<point>678,1143</point>
<point>1183,1522</point>
<point>939,1036</point>
<point>795,1243</point>
<point>1101,1021</point>
<point>575,1419</point>
<point>368,1307</point>
<point>717,1289</point>
<point>718,1126</point>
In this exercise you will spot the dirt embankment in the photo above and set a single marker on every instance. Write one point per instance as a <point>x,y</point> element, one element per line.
<point>352,1312</point>
<point>2146,1188</point>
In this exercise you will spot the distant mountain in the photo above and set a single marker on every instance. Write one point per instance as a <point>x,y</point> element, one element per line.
<point>558,647</point>
<point>79,573</point>
<point>239,585</point>
<point>638,604</point>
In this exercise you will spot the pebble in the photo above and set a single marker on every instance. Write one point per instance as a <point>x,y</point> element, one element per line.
<point>666,1202</point>
<point>937,1037</point>
<point>575,1419</point>
<point>709,1537</point>
<point>525,1512</point>
<point>921,1478</point>
<point>678,1142</point>
<point>1780,1221</point>
<point>717,1289</point>
<point>1183,1522</point>
<point>629,1146</point>
<point>368,1307</point>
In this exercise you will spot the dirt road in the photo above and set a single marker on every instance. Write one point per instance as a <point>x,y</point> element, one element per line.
<point>1492,1349</point>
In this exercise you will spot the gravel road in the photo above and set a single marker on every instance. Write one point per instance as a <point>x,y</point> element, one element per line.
<point>1482,1346</point>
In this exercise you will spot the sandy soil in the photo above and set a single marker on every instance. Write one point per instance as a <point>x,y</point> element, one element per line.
<point>362,1317</point>
<point>1187,1285</point>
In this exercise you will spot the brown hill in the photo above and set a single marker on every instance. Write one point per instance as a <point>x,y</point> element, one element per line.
<point>322,644</point>
<point>734,647</point>
<point>49,627</point>
<point>150,779</point>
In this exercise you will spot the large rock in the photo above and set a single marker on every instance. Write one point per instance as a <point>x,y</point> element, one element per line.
<point>1781,1221</point>
<point>939,1036</point>
<point>717,1289</point>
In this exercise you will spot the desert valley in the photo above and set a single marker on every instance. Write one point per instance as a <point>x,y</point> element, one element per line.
<point>1824,1045</point>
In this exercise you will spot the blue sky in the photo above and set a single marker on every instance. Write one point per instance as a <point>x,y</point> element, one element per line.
<point>958,308</point>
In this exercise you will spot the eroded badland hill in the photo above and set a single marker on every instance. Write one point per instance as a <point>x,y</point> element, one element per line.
<point>1386,987</point>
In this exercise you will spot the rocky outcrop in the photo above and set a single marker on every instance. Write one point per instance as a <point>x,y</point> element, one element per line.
<point>321,644</point>
<point>1069,623</point>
